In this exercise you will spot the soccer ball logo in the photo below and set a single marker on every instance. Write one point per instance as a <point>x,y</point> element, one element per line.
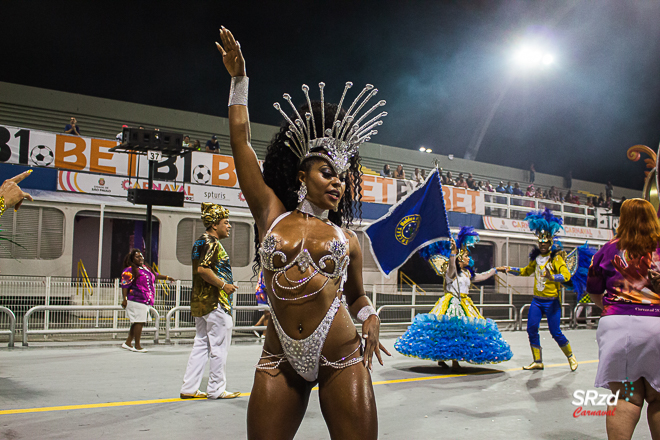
<point>202,174</point>
<point>42,156</point>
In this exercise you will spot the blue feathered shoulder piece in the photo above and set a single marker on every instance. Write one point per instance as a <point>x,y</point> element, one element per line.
<point>442,248</point>
<point>578,262</point>
<point>467,237</point>
<point>544,221</point>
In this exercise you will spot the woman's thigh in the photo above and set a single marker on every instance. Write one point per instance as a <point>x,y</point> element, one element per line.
<point>277,403</point>
<point>633,392</point>
<point>348,403</point>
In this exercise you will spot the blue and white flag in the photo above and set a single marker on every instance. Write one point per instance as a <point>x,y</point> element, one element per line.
<point>416,221</point>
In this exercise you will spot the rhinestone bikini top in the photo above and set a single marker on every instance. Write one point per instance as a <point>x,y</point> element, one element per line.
<point>338,254</point>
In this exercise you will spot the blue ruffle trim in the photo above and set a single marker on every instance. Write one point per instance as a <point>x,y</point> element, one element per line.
<point>444,338</point>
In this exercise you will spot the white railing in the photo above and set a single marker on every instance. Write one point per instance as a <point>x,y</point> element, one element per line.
<point>84,330</point>
<point>509,206</point>
<point>12,325</point>
<point>236,328</point>
<point>588,308</point>
<point>59,306</point>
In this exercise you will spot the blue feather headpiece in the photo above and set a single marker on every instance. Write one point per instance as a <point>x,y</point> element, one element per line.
<point>442,248</point>
<point>544,224</point>
<point>467,237</point>
<point>438,253</point>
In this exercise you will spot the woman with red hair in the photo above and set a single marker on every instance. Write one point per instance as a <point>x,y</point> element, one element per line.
<point>623,281</point>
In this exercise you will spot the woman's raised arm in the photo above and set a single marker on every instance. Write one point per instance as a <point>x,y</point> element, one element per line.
<point>263,203</point>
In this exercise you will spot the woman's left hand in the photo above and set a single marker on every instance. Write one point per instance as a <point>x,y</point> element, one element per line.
<point>370,333</point>
<point>232,57</point>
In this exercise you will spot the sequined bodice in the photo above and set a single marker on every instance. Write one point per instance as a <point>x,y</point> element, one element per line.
<point>338,255</point>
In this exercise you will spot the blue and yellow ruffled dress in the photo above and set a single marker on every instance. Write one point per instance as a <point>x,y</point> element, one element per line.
<point>455,330</point>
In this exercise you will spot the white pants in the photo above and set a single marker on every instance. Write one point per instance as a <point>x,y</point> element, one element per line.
<point>212,341</point>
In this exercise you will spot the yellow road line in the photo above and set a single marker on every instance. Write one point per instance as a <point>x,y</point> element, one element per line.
<point>154,401</point>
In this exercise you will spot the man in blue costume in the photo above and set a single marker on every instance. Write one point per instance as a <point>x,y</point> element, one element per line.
<point>546,263</point>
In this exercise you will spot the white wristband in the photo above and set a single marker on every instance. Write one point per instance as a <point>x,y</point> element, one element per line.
<point>238,94</point>
<point>365,312</point>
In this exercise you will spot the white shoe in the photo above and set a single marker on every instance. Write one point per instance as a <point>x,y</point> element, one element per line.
<point>142,350</point>
<point>127,347</point>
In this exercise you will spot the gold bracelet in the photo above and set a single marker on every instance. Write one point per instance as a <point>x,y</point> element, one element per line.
<point>3,205</point>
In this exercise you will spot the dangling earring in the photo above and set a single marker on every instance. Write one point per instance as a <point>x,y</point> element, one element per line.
<point>302,192</point>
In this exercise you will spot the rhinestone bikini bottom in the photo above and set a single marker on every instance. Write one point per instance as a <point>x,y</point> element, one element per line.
<point>304,355</point>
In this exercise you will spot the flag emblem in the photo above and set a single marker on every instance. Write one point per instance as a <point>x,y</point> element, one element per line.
<point>407,228</point>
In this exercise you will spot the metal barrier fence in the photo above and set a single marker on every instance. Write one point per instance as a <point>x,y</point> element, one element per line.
<point>413,308</point>
<point>563,318</point>
<point>587,316</point>
<point>97,310</point>
<point>52,301</point>
<point>171,316</point>
<point>12,325</point>
<point>516,207</point>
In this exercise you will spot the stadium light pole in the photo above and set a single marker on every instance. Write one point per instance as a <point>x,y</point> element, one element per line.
<point>527,58</point>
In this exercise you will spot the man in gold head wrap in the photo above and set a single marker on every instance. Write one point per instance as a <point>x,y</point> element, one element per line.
<point>210,304</point>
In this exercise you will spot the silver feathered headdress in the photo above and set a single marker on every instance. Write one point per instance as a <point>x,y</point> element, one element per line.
<point>342,139</point>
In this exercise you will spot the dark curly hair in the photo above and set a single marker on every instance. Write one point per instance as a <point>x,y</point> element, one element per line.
<point>128,262</point>
<point>280,171</point>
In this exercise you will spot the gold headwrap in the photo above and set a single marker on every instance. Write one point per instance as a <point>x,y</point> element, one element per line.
<point>212,213</point>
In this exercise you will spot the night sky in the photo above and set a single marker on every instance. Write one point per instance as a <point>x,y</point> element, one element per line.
<point>441,65</point>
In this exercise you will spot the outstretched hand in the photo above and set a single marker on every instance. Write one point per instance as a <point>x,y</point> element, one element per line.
<point>370,334</point>
<point>232,57</point>
<point>12,193</point>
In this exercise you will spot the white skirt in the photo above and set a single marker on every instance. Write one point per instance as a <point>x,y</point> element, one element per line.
<point>137,312</point>
<point>628,349</point>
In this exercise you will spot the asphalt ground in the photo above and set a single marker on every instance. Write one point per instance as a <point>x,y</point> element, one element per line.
<point>97,390</point>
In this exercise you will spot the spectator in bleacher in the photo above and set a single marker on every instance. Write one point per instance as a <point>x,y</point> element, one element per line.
<point>424,174</point>
<point>600,201</point>
<point>530,191</point>
<point>539,193</point>
<point>120,135</point>
<point>450,179</point>
<point>516,189</point>
<point>417,177</point>
<point>399,173</point>
<point>212,145</point>
<point>186,141</point>
<point>489,187</point>
<point>560,197</point>
<point>460,182</point>
<point>481,186</point>
<point>470,182</point>
<point>501,188</point>
<point>72,127</point>
<point>569,196</point>
<point>197,145</point>
<point>386,172</point>
<point>590,202</point>
<point>608,203</point>
<point>532,173</point>
<point>609,189</point>
<point>509,188</point>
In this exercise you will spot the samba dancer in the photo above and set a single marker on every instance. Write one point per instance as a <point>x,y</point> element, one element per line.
<point>308,261</point>
<point>549,269</point>
<point>454,329</point>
